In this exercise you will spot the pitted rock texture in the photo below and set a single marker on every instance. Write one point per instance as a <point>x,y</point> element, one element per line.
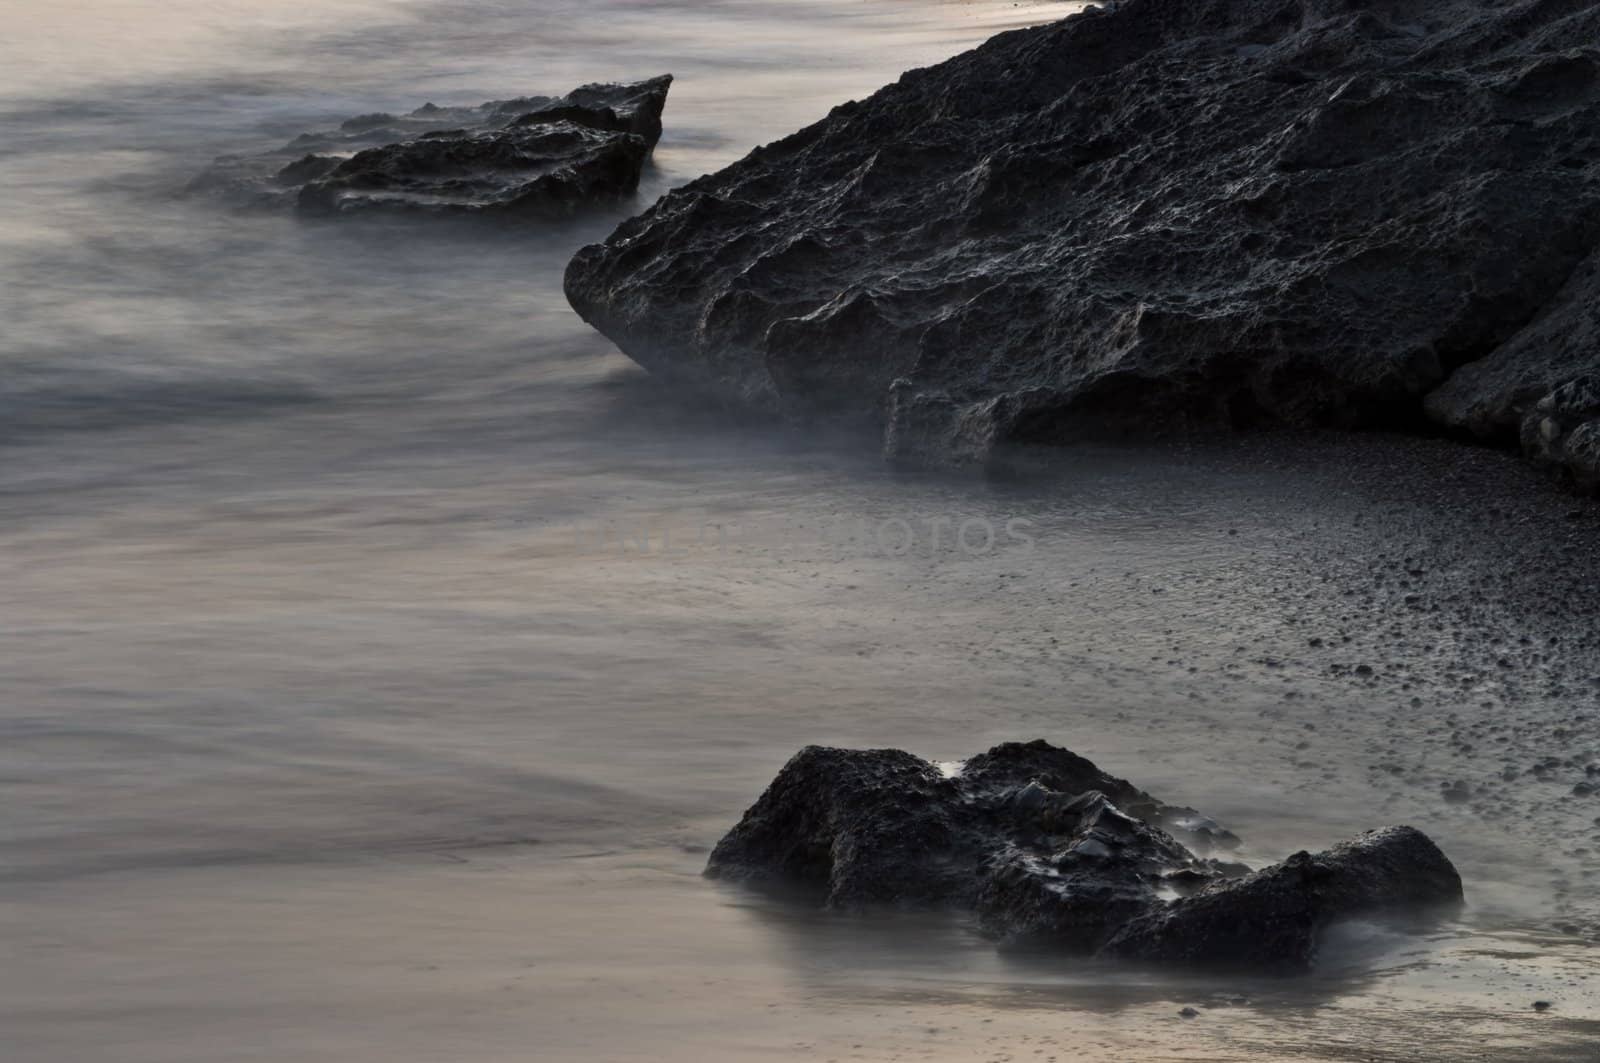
<point>541,156</point>
<point>1269,918</point>
<point>1051,852</point>
<point>1159,217</point>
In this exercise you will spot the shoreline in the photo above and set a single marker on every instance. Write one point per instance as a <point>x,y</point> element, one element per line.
<point>323,742</point>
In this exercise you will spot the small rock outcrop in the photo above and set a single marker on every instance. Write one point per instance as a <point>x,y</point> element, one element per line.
<point>1156,217</point>
<point>1051,852</point>
<point>540,156</point>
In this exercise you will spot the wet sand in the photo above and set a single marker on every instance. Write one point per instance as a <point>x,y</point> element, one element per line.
<point>423,778</point>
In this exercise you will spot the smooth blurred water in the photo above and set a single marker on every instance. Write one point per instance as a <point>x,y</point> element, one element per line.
<point>328,732</point>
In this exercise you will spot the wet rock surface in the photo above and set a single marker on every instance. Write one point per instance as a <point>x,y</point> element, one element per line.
<point>1163,216</point>
<point>538,155</point>
<point>1051,852</point>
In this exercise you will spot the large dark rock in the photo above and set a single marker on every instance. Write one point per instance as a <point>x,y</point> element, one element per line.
<point>1161,216</point>
<point>1049,851</point>
<point>542,156</point>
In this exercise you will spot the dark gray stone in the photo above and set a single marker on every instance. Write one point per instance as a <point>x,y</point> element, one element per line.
<point>1159,217</point>
<point>537,156</point>
<point>1051,852</point>
<point>1271,919</point>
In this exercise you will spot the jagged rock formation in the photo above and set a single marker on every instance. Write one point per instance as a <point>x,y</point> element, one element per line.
<point>1161,216</point>
<point>541,156</point>
<point>1050,851</point>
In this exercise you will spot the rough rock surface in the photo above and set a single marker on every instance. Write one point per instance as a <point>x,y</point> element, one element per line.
<point>1050,851</point>
<point>539,155</point>
<point>1157,217</point>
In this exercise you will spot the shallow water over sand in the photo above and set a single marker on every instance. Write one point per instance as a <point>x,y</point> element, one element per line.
<point>355,708</point>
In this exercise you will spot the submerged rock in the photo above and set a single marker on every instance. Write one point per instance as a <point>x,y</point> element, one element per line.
<point>1049,851</point>
<point>1155,217</point>
<point>545,156</point>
